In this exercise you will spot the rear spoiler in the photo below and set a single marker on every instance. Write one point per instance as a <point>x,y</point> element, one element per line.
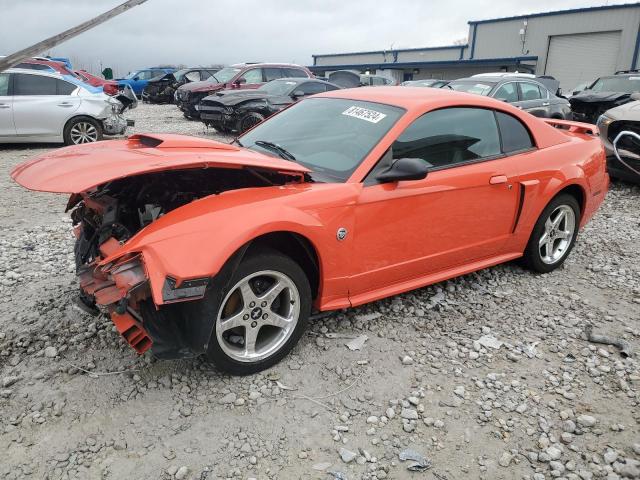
<point>573,127</point>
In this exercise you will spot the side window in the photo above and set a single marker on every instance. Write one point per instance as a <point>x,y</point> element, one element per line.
<point>529,91</point>
<point>507,92</point>
<point>273,73</point>
<point>4,84</point>
<point>311,88</point>
<point>204,74</point>
<point>24,84</point>
<point>544,93</point>
<point>449,137</point>
<point>294,73</point>
<point>253,76</point>
<point>515,136</point>
<point>65,88</point>
<point>193,76</point>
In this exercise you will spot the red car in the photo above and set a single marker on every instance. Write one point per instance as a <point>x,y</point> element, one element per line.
<point>242,75</point>
<point>346,197</point>
<point>109,87</point>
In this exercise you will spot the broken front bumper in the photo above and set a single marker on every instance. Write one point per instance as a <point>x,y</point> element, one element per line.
<point>116,124</point>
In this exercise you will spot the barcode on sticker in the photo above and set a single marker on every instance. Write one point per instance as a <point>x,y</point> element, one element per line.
<point>364,114</point>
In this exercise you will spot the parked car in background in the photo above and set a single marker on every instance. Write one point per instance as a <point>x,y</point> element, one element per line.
<point>427,82</point>
<point>110,87</point>
<point>162,88</point>
<point>43,106</point>
<point>344,198</point>
<point>240,110</point>
<point>353,79</point>
<point>240,76</point>
<point>604,94</point>
<point>138,79</point>
<point>526,93</point>
<point>620,119</point>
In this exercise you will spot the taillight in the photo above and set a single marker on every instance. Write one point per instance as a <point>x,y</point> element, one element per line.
<point>110,89</point>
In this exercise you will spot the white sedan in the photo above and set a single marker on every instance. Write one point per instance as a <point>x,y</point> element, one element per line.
<point>47,107</point>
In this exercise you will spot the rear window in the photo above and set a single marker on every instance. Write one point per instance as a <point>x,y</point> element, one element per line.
<point>479,88</point>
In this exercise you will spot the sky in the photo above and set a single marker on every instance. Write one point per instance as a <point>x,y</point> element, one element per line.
<point>207,32</point>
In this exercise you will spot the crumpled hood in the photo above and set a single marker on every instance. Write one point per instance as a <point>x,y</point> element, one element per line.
<point>597,97</point>
<point>202,86</point>
<point>231,97</point>
<point>81,168</point>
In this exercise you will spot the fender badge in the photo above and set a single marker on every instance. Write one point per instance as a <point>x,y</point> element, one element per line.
<point>341,234</point>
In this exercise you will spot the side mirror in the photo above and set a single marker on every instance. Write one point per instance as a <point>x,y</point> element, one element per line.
<point>297,94</point>
<point>635,96</point>
<point>404,169</point>
<point>240,81</point>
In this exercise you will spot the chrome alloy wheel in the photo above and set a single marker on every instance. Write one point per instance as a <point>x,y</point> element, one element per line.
<point>83,132</point>
<point>258,316</point>
<point>558,233</point>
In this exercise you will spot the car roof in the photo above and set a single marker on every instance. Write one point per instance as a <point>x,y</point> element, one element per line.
<point>245,65</point>
<point>414,98</point>
<point>29,71</point>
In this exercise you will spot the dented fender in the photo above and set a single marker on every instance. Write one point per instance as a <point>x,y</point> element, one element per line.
<point>195,241</point>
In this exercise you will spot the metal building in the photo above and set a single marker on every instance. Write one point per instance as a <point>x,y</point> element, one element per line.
<point>575,46</point>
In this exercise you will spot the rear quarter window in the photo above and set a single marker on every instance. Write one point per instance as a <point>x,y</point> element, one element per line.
<point>515,136</point>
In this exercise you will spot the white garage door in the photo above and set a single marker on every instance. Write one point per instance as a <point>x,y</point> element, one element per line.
<point>574,59</point>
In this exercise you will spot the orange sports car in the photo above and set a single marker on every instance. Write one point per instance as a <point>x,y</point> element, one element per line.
<point>199,247</point>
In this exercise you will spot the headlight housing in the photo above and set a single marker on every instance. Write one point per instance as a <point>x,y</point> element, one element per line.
<point>604,121</point>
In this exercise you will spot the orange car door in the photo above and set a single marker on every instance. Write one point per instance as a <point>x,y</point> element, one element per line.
<point>464,210</point>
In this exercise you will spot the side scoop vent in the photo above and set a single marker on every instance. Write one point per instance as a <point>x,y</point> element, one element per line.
<point>168,140</point>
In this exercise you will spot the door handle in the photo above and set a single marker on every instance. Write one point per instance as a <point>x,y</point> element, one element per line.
<point>65,104</point>
<point>545,104</point>
<point>497,179</point>
<point>4,105</point>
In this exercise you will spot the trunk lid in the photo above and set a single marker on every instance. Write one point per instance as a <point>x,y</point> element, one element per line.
<point>83,167</point>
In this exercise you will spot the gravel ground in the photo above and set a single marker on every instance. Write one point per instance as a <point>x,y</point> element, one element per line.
<point>487,376</point>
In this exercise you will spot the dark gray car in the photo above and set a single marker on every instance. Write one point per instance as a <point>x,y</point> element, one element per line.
<point>527,93</point>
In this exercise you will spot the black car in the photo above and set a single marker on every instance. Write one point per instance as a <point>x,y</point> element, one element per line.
<point>529,93</point>
<point>239,110</point>
<point>161,89</point>
<point>604,94</point>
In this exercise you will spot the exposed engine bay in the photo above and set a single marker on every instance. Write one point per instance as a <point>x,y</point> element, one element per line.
<point>121,208</point>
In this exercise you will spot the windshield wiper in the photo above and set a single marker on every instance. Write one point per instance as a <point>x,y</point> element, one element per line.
<point>283,153</point>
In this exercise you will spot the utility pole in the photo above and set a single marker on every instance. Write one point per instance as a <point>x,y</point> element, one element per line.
<point>51,42</point>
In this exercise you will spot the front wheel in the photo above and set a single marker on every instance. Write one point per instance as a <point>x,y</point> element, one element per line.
<point>248,121</point>
<point>262,315</point>
<point>554,234</point>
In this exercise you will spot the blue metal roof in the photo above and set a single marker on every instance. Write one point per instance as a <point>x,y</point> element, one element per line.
<point>558,12</point>
<point>438,63</point>
<point>415,49</point>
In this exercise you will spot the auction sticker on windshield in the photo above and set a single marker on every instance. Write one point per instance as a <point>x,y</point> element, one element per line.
<point>364,114</point>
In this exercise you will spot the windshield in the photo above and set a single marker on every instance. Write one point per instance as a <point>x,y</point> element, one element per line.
<point>131,75</point>
<point>479,88</point>
<point>617,84</point>
<point>278,87</point>
<point>330,136</point>
<point>225,74</point>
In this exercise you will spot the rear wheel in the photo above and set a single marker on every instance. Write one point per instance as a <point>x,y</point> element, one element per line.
<point>262,315</point>
<point>554,234</point>
<point>81,130</point>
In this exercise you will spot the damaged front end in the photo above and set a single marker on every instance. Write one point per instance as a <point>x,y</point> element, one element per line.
<point>108,217</point>
<point>112,114</point>
<point>588,106</point>
<point>139,256</point>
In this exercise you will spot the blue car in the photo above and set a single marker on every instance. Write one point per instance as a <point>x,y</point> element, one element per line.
<point>138,79</point>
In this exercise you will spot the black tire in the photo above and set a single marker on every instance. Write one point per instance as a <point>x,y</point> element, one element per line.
<point>248,121</point>
<point>210,305</point>
<point>533,258</point>
<point>69,134</point>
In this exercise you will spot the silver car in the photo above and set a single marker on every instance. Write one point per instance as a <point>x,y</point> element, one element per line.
<point>42,106</point>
